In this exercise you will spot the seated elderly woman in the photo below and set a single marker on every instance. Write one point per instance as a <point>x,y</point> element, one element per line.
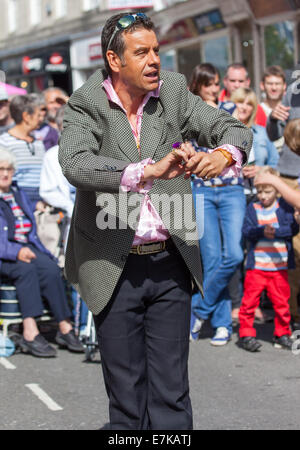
<point>25,261</point>
<point>26,111</point>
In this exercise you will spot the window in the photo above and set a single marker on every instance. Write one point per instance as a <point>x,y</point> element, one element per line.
<point>168,60</point>
<point>35,12</point>
<point>279,44</point>
<point>90,4</point>
<point>61,8</point>
<point>188,58</point>
<point>12,15</point>
<point>216,53</point>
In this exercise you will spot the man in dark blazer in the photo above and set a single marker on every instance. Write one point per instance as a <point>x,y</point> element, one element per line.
<point>136,275</point>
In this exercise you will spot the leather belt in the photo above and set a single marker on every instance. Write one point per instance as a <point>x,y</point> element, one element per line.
<point>152,247</point>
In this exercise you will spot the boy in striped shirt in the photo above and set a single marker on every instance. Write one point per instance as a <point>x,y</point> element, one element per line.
<point>269,226</point>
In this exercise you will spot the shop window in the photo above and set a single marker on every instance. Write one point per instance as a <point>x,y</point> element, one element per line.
<point>216,52</point>
<point>279,44</point>
<point>247,47</point>
<point>12,15</point>
<point>168,60</point>
<point>187,59</point>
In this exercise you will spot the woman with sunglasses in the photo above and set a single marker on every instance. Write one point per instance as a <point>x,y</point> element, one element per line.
<point>29,152</point>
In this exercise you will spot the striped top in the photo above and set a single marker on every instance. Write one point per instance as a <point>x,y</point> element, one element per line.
<point>23,225</point>
<point>269,254</point>
<point>29,158</point>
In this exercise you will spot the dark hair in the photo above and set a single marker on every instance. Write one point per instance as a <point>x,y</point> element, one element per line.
<point>117,45</point>
<point>202,75</point>
<point>236,66</point>
<point>275,71</point>
<point>24,103</point>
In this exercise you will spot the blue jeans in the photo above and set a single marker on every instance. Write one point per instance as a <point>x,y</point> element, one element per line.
<point>221,251</point>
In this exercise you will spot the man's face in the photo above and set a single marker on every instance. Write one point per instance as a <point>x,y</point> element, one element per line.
<point>140,66</point>
<point>274,87</point>
<point>4,109</point>
<point>235,79</point>
<point>54,100</point>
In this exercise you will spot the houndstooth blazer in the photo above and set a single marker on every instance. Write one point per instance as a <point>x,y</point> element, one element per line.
<point>97,144</point>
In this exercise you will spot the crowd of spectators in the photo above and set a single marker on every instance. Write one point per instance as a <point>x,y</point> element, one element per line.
<point>251,243</point>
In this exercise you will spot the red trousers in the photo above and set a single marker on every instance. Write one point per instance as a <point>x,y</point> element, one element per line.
<point>278,291</point>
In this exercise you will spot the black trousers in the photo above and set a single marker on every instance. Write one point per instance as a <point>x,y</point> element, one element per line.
<point>143,336</point>
<point>40,278</point>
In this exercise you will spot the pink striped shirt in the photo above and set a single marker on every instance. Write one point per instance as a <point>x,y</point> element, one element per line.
<point>150,227</point>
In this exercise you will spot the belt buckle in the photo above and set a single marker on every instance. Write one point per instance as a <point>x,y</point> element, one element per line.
<point>150,248</point>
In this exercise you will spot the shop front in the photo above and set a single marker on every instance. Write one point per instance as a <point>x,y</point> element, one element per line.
<point>86,58</point>
<point>253,32</point>
<point>278,24</point>
<point>193,40</point>
<point>39,70</point>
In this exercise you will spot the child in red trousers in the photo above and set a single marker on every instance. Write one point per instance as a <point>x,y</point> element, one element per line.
<point>269,227</point>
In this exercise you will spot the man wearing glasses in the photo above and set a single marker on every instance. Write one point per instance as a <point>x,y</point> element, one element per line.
<point>135,275</point>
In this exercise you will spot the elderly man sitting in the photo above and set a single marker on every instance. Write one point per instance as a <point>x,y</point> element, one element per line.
<point>25,261</point>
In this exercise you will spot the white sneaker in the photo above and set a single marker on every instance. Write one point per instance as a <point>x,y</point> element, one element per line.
<point>197,325</point>
<point>196,328</point>
<point>221,337</point>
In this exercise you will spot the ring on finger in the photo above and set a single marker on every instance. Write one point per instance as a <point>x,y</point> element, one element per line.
<point>176,146</point>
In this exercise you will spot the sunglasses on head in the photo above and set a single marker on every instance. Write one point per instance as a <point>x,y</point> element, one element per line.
<point>124,23</point>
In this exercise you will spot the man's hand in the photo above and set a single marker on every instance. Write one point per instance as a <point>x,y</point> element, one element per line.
<point>269,232</point>
<point>206,165</point>
<point>40,206</point>
<point>280,112</point>
<point>171,166</point>
<point>251,171</point>
<point>26,255</point>
<point>265,178</point>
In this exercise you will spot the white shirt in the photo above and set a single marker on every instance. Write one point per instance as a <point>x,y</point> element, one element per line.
<point>54,187</point>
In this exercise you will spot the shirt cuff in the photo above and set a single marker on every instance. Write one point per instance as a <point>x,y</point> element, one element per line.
<point>131,177</point>
<point>235,169</point>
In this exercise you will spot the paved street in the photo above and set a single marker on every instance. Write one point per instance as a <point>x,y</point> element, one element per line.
<point>230,389</point>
